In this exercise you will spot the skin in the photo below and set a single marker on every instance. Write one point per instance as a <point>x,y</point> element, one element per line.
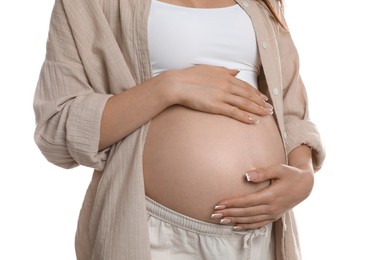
<point>205,88</point>
<point>290,185</point>
<point>215,90</point>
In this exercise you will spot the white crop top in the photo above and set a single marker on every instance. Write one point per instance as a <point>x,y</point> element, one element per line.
<point>180,37</point>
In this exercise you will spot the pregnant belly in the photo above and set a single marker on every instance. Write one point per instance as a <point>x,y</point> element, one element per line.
<point>192,160</point>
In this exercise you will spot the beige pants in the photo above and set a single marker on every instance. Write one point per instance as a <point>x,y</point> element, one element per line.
<point>174,236</point>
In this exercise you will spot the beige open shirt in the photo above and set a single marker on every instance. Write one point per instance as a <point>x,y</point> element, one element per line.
<point>98,48</point>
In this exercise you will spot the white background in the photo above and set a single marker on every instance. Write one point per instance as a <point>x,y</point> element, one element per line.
<point>345,53</point>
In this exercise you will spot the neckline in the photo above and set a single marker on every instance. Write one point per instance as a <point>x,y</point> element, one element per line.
<point>195,8</point>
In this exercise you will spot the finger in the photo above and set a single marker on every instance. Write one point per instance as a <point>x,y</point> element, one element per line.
<point>243,212</point>
<point>243,89</point>
<point>245,220</point>
<point>249,220</point>
<point>232,72</point>
<point>236,113</point>
<point>251,104</point>
<point>264,174</point>
<point>262,197</point>
<point>249,88</point>
<point>248,105</point>
<point>242,227</point>
<point>248,215</point>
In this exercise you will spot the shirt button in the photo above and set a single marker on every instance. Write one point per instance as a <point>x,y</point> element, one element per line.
<point>275,91</point>
<point>265,45</point>
<point>284,135</point>
<point>245,3</point>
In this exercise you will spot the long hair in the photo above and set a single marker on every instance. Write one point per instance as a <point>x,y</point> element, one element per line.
<point>274,13</point>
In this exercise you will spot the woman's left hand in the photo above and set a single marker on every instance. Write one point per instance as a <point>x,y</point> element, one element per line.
<point>289,186</point>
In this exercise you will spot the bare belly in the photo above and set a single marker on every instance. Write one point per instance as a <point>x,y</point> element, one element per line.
<point>192,160</point>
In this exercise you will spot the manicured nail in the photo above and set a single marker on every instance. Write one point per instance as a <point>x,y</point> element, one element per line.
<point>217,215</point>
<point>269,111</point>
<point>238,228</point>
<point>251,175</point>
<point>264,97</point>
<point>254,121</point>
<point>225,221</point>
<point>220,207</point>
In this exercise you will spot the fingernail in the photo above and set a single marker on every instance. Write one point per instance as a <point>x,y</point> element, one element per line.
<point>217,215</point>
<point>264,97</point>
<point>269,111</point>
<point>220,207</point>
<point>225,221</point>
<point>238,228</point>
<point>254,121</point>
<point>251,175</point>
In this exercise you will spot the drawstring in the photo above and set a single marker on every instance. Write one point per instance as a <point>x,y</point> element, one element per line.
<point>248,238</point>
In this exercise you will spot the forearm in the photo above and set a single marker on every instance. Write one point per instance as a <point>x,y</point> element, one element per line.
<point>301,157</point>
<point>209,89</point>
<point>126,112</point>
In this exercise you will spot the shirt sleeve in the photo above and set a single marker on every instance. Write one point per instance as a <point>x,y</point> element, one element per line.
<point>298,126</point>
<point>68,109</point>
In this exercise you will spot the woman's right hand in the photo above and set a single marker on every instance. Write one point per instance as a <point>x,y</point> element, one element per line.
<point>216,90</point>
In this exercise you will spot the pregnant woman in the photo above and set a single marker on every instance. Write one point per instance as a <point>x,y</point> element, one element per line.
<point>195,119</point>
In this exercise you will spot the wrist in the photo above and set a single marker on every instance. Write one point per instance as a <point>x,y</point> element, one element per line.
<point>166,82</point>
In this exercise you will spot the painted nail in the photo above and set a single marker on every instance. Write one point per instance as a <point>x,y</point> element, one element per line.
<point>225,221</point>
<point>220,207</point>
<point>251,175</point>
<point>254,121</point>
<point>217,215</point>
<point>269,111</point>
<point>238,228</point>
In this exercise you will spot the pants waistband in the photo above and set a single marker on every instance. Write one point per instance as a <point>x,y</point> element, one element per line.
<point>190,224</point>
